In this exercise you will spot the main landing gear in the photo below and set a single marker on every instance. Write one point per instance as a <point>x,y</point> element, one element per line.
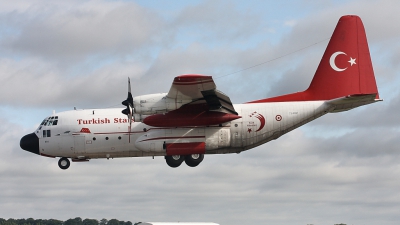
<point>190,160</point>
<point>64,163</point>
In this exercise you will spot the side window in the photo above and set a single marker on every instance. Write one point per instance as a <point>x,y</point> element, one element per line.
<point>44,133</point>
<point>55,122</point>
<point>48,133</point>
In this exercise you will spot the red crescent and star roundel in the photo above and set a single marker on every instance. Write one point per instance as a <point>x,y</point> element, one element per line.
<point>256,123</point>
<point>332,61</point>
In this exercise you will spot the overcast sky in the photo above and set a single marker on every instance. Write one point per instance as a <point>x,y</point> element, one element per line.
<point>56,55</point>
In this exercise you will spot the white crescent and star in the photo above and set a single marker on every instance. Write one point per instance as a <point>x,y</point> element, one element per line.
<point>333,64</point>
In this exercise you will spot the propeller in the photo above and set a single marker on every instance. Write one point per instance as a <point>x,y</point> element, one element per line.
<point>129,108</point>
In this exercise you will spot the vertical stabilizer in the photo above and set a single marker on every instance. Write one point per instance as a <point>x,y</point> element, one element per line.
<point>345,68</point>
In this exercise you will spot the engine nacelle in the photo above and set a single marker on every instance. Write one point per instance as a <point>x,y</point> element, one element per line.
<point>156,104</point>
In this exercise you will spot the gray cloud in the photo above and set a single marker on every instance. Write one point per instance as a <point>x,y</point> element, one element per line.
<point>222,19</point>
<point>75,32</point>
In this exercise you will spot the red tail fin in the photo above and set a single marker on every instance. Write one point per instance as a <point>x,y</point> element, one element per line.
<point>345,68</point>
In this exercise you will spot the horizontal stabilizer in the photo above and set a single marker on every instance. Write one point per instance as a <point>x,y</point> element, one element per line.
<point>352,101</point>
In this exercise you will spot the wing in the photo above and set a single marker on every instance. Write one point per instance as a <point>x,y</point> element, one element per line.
<point>189,87</point>
<point>206,105</point>
<point>200,89</point>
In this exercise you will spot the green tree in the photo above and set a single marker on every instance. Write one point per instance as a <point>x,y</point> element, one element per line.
<point>103,221</point>
<point>11,221</point>
<point>53,222</point>
<point>113,222</point>
<point>76,221</point>
<point>31,221</point>
<point>90,222</point>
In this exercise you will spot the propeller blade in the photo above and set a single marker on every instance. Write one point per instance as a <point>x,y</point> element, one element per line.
<point>129,99</point>
<point>128,102</point>
<point>129,108</point>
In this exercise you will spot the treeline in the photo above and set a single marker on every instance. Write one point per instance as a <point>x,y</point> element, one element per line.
<point>76,221</point>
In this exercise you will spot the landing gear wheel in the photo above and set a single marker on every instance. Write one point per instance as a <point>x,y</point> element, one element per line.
<point>64,163</point>
<point>194,159</point>
<point>174,160</point>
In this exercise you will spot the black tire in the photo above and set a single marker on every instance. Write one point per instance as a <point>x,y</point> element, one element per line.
<point>64,163</point>
<point>174,160</point>
<point>194,160</point>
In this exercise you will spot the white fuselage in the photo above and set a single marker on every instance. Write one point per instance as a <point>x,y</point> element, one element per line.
<point>105,133</point>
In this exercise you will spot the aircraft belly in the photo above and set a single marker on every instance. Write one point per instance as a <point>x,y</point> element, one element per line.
<point>158,141</point>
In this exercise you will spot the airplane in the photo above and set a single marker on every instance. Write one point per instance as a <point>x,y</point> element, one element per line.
<point>194,118</point>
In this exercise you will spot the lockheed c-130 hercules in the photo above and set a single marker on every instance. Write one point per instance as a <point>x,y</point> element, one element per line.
<point>194,118</point>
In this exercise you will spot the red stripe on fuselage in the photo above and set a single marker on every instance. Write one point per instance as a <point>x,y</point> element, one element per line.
<point>179,137</point>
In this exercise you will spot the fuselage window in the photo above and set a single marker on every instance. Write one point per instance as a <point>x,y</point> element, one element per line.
<point>48,133</point>
<point>44,133</point>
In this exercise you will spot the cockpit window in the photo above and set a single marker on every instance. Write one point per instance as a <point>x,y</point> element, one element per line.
<point>51,121</point>
<point>44,122</point>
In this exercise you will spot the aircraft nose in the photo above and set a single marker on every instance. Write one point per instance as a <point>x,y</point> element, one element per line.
<point>30,143</point>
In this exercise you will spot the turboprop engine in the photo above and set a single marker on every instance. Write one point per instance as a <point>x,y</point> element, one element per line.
<point>156,104</point>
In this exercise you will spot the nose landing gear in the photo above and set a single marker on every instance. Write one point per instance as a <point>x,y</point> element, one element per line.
<point>64,163</point>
